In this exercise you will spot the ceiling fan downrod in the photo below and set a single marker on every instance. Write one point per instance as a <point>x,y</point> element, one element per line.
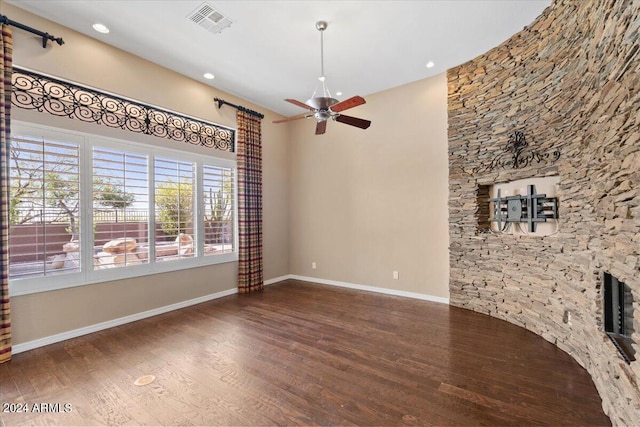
<point>321,26</point>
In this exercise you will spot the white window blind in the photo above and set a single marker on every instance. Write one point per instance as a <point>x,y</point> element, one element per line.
<point>219,209</point>
<point>120,208</point>
<point>44,208</point>
<point>174,209</point>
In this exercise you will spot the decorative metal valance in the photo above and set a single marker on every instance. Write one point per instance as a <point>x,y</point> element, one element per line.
<point>33,91</point>
<point>517,154</point>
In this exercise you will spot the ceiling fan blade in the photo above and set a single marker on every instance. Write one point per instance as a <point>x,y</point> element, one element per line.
<point>321,127</point>
<point>299,104</point>
<point>354,121</point>
<point>354,101</point>
<point>288,119</point>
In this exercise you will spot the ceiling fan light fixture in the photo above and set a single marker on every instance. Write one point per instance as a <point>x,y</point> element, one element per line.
<point>321,103</point>
<point>322,115</point>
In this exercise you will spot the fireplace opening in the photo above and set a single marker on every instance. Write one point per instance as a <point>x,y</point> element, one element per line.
<point>618,315</point>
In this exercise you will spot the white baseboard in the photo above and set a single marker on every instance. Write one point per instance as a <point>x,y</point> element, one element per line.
<point>41,342</point>
<point>277,279</point>
<point>387,291</point>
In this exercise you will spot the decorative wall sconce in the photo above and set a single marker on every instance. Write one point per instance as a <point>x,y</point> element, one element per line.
<point>531,208</point>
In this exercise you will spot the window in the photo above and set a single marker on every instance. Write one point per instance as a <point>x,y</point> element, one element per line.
<point>120,200</point>
<point>86,209</point>
<point>174,209</point>
<point>219,209</point>
<point>44,206</point>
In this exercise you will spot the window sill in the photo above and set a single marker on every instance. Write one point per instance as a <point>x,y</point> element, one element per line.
<point>64,281</point>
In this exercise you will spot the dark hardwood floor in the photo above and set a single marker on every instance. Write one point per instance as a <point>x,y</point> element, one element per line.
<point>304,354</point>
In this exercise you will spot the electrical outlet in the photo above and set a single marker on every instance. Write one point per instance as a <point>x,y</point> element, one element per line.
<point>313,265</point>
<point>396,275</point>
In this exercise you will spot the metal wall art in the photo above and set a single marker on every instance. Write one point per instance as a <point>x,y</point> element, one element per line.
<point>517,154</point>
<point>34,91</point>
<point>531,208</point>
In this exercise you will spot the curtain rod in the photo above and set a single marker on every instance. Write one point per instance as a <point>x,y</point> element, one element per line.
<point>222,102</point>
<point>45,36</point>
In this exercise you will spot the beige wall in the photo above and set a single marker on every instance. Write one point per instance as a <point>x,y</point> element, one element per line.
<point>361,204</point>
<point>90,62</point>
<point>365,203</point>
<point>49,313</point>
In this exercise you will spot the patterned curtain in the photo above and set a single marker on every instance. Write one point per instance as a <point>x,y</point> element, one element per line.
<point>249,150</point>
<point>6,54</point>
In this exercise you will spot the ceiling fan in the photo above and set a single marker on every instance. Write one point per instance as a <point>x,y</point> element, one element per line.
<point>324,106</point>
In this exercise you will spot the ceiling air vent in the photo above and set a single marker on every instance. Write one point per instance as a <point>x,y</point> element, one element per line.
<point>209,18</point>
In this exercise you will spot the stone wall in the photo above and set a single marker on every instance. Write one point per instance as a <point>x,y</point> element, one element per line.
<point>571,82</point>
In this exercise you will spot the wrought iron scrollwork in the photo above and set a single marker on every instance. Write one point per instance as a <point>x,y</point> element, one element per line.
<point>517,154</point>
<point>34,91</point>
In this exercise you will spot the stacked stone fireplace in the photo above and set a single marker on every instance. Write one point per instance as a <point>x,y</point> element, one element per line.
<point>569,82</point>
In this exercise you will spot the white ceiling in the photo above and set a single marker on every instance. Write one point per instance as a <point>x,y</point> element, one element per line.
<point>272,49</point>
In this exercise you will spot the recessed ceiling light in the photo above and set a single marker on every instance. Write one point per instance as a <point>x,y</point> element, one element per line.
<point>430,64</point>
<point>339,93</point>
<point>208,76</point>
<point>101,28</point>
